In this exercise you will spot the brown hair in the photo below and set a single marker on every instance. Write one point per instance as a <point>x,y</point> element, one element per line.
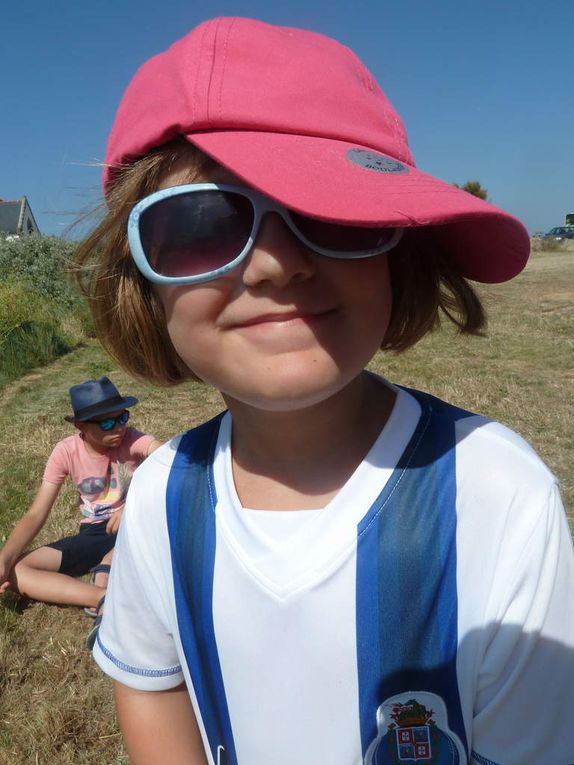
<point>128,315</point>
<point>425,286</point>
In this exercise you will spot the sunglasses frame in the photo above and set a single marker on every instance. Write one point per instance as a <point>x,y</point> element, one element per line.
<point>116,420</point>
<point>261,206</point>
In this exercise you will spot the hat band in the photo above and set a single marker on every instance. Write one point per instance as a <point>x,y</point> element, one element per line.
<point>87,411</point>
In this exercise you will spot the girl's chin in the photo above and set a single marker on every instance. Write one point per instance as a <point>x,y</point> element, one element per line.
<point>284,394</point>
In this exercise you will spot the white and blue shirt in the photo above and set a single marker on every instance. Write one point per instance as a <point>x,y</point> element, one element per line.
<point>425,615</point>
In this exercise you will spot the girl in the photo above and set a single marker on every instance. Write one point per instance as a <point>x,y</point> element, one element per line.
<point>336,570</point>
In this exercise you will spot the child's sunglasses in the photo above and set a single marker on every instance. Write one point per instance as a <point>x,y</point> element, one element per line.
<point>198,232</point>
<point>110,422</point>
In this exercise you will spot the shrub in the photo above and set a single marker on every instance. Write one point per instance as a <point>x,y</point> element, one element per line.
<point>41,314</point>
<point>43,263</point>
<point>475,188</point>
<point>30,345</point>
<point>19,304</point>
<point>31,332</point>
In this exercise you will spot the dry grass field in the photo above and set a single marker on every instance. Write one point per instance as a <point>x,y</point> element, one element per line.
<point>55,706</point>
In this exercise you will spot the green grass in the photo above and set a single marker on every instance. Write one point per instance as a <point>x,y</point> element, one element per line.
<point>522,373</point>
<point>55,705</point>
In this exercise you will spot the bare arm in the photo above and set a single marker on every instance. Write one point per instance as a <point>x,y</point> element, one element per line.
<point>113,524</point>
<point>26,529</point>
<point>159,726</point>
<point>155,444</point>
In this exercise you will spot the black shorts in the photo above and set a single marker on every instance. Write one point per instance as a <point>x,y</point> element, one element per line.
<point>84,550</point>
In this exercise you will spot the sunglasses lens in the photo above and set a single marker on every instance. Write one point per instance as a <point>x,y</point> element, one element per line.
<point>197,232</point>
<point>340,238</point>
<point>110,422</point>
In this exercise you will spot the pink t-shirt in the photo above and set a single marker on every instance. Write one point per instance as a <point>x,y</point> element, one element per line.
<point>102,480</point>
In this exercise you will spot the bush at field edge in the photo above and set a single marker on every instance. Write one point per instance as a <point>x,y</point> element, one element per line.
<point>41,314</point>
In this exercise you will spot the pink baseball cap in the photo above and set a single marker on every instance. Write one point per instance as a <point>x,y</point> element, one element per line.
<point>297,116</point>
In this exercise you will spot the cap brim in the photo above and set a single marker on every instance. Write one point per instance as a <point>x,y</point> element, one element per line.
<point>314,176</point>
<point>127,402</point>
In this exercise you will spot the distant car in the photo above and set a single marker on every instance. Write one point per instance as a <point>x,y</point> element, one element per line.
<point>560,232</point>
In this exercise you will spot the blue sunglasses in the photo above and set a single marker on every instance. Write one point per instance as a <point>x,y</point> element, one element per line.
<point>198,232</point>
<point>109,423</point>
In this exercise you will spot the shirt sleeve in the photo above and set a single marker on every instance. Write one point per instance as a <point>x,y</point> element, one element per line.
<point>525,694</point>
<point>58,465</point>
<point>135,643</point>
<point>138,444</point>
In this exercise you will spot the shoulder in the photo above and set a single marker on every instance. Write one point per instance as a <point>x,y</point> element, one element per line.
<point>67,446</point>
<point>161,460</point>
<point>179,453</point>
<point>147,500</point>
<point>511,531</point>
<point>508,504</point>
<point>493,440</point>
<point>502,484</point>
<point>486,448</point>
<point>135,443</point>
<point>174,454</point>
<point>493,459</point>
<point>504,492</point>
<point>132,436</point>
<point>63,459</point>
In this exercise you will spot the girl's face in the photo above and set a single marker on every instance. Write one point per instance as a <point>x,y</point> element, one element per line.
<point>287,328</point>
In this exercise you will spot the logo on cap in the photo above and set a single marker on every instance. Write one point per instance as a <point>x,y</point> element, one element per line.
<point>378,163</point>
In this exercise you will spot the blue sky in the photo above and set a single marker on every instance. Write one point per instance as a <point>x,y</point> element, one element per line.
<point>485,89</point>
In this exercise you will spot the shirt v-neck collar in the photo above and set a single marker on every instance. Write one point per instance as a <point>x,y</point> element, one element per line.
<point>327,537</point>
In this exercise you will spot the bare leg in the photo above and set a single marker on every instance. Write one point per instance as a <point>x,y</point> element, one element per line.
<point>36,576</point>
<point>101,577</point>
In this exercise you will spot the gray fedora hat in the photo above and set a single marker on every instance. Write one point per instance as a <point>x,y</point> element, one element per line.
<point>96,397</point>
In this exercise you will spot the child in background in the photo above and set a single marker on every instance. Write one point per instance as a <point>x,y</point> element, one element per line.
<point>100,459</point>
<point>336,570</point>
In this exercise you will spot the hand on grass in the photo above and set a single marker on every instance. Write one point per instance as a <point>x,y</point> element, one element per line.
<point>114,522</point>
<point>4,572</point>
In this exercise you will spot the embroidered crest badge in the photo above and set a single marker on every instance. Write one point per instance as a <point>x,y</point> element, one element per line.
<point>413,728</point>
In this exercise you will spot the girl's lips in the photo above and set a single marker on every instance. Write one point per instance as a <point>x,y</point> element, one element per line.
<point>284,318</point>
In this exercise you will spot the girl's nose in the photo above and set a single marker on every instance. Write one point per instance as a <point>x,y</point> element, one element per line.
<point>277,257</point>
